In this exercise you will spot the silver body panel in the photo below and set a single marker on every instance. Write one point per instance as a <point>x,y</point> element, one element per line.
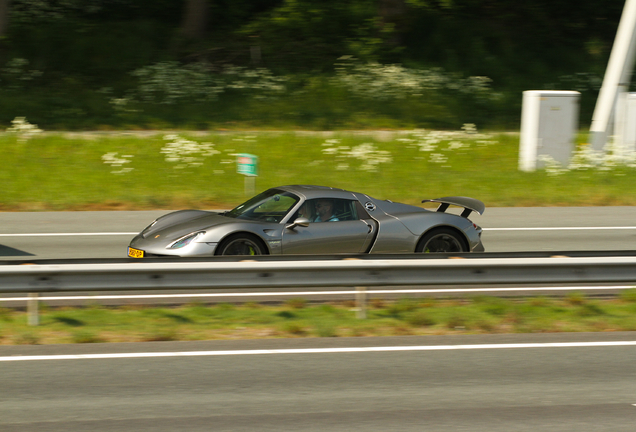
<point>381,227</point>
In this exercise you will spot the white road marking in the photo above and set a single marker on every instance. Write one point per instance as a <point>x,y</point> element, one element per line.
<point>561,228</point>
<point>70,234</point>
<point>315,293</point>
<point>485,229</point>
<point>314,351</point>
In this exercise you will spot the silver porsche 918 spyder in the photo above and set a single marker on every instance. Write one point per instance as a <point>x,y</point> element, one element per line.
<point>313,220</point>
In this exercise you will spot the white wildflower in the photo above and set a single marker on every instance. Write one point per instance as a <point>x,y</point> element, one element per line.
<point>456,145</point>
<point>116,161</point>
<point>186,153</point>
<point>23,129</point>
<point>469,128</point>
<point>438,158</point>
<point>369,156</point>
<point>552,167</point>
<point>485,143</point>
<point>393,81</point>
<point>330,150</point>
<point>430,141</point>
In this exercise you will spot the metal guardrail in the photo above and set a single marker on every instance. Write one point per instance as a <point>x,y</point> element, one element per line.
<point>41,278</point>
<point>347,272</point>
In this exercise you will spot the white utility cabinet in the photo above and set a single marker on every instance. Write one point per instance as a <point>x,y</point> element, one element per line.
<point>549,122</point>
<point>625,124</point>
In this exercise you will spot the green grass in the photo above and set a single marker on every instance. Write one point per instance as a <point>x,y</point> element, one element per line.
<point>66,171</point>
<point>477,315</point>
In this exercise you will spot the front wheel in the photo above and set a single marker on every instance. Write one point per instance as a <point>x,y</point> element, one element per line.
<point>241,244</point>
<point>441,240</point>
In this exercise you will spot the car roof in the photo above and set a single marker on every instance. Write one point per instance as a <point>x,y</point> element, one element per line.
<point>312,191</point>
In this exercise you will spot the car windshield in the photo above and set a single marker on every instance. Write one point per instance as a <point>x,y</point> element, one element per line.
<point>269,206</point>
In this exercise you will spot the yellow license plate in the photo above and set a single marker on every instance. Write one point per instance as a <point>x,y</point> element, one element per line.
<point>135,253</point>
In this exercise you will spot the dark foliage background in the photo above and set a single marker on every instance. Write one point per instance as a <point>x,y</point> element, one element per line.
<point>63,62</point>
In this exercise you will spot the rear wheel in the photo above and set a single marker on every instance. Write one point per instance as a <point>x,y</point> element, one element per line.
<point>241,244</point>
<point>441,240</point>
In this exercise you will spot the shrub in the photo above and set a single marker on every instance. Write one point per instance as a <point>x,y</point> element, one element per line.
<point>401,306</point>
<point>86,336</point>
<point>427,302</point>
<point>393,81</point>
<point>377,303</point>
<point>325,329</point>
<point>27,338</point>
<point>628,295</point>
<point>420,319</point>
<point>575,298</point>
<point>456,321</point>
<point>590,309</point>
<point>293,328</point>
<point>160,335</point>
<point>67,320</point>
<point>492,305</point>
<point>296,303</point>
<point>485,325</point>
<point>5,315</point>
<point>539,301</point>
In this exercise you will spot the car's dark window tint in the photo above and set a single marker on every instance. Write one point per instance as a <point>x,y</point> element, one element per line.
<point>269,206</point>
<point>341,210</point>
<point>362,213</point>
<point>345,210</point>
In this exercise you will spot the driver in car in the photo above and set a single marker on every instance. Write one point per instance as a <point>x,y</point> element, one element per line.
<point>324,210</point>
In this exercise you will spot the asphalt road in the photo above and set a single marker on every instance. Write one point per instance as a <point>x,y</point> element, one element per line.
<point>62,235</point>
<point>492,383</point>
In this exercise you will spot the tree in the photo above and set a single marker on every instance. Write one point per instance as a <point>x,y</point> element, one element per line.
<point>195,17</point>
<point>392,14</point>
<point>4,16</point>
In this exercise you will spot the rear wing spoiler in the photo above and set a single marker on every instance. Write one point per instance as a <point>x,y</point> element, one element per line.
<point>470,204</point>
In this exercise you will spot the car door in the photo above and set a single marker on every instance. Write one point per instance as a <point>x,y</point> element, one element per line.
<point>347,235</point>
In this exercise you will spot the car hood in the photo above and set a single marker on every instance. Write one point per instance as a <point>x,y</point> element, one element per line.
<point>176,225</point>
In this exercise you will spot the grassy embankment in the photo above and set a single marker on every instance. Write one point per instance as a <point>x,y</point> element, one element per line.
<point>296,318</point>
<point>94,171</point>
<point>124,171</point>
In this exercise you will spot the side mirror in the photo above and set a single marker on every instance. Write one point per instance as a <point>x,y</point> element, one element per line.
<point>303,222</point>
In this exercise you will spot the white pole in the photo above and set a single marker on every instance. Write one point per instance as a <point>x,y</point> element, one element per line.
<point>249,185</point>
<point>33,312</point>
<point>617,76</point>
<point>361,302</point>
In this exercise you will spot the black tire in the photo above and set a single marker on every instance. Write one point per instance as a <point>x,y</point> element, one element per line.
<point>241,244</point>
<point>442,240</point>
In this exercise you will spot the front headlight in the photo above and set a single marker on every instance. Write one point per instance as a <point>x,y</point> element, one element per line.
<point>185,240</point>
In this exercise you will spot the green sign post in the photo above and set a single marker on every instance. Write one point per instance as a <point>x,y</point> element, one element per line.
<point>247,164</point>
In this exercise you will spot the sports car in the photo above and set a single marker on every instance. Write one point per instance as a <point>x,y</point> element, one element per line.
<point>303,219</point>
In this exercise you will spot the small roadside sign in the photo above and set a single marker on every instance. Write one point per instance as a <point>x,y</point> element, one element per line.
<point>247,164</point>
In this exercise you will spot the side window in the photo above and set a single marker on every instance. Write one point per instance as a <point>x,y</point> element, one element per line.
<point>331,210</point>
<point>328,210</point>
<point>361,211</point>
<point>345,210</point>
<point>306,210</point>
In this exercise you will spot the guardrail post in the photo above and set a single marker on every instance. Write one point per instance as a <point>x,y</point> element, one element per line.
<point>33,306</point>
<point>361,302</point>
